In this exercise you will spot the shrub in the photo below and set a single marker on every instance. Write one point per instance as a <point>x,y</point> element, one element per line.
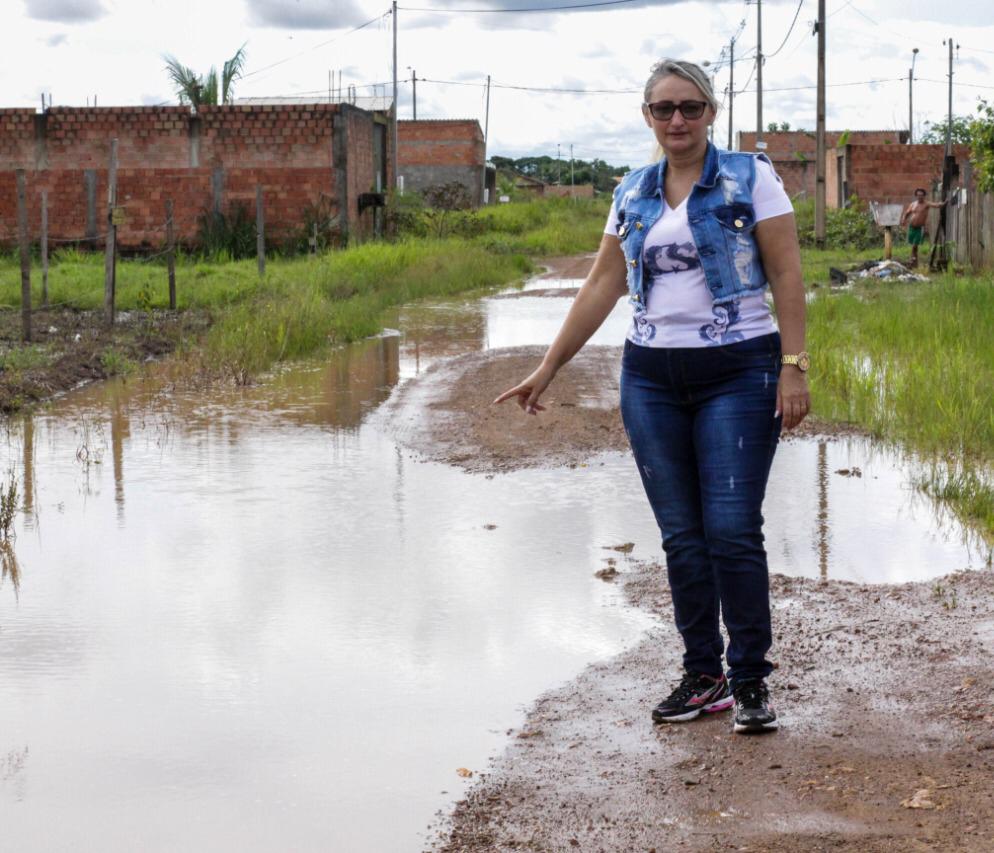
<point>850,227</point>
<point>232,235</point>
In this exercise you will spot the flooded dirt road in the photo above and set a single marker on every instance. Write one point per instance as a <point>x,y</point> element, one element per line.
<point>886,744</point>
<point>287,617</point>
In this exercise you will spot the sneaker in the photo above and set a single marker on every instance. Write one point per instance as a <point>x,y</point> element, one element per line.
<point>753,712</point>
<point>695,694</point>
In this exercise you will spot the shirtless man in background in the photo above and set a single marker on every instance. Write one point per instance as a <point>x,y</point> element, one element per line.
<point>916,214</point>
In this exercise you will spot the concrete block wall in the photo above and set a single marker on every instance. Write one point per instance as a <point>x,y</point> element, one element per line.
<point>432,152</point>
<point>202,162</point>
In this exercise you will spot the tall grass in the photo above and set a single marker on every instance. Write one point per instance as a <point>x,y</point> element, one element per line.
<point>342,296</point>
<point>914,363</point>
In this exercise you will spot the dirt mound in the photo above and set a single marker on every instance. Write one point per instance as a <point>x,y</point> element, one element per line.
<point>446,414</point>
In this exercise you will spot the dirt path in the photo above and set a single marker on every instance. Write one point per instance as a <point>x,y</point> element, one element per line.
<point>887,741</point>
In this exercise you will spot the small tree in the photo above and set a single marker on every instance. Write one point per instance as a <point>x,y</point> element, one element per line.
<point>442,201</point>
<point>935,133</point>
<point>200,90</point>
<point>982,146</point>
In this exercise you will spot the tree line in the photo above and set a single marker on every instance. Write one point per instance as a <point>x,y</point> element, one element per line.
<point>553,170</point>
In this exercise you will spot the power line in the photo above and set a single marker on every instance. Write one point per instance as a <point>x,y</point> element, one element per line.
<point>315,47</point>
<point>958,83</point>
<point>860,12</point>
<point>749,80</point>
<point>456,10</point>
<point>792,23</point>
<point>978,49</point>
<point>549,89</point>
<point>835,85</point>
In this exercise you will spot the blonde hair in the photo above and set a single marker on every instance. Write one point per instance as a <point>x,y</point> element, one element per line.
<point>688,71</point>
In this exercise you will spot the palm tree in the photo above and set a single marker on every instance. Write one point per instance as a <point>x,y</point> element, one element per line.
<point>198,90</point>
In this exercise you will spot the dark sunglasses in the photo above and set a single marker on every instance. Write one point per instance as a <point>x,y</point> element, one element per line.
<point>663,110</point>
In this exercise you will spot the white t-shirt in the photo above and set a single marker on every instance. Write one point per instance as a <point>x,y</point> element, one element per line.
<point>678,309</point>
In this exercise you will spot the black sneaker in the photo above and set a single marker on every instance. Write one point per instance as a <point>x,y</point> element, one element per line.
<point>695,694</point>
<point>753,712</point>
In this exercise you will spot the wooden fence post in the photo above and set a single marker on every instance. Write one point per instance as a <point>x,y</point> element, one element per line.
<point>110,270</point>
<point>44,248</point>
<point>170,254</point>
<point>25,245</point>
<point>260,233</point>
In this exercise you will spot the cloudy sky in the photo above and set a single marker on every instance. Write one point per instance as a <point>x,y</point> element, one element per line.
<point>112,49</point>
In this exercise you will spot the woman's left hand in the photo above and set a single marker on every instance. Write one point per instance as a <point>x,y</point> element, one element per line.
<point>793,397</point>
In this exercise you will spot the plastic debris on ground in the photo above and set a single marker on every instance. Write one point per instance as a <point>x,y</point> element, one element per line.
<point>885,271</point>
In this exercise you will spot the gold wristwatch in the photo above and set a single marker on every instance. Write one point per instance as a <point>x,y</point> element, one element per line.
<point>802,361</point>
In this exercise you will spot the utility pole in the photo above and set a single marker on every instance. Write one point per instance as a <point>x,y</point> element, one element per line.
<point>731,89</point>
<point>559,165</point>
<point>759,76</point>
<point>939,256</point>
<point>486,136</point>
<point>414,85</point>
<point>571,170</point>
<point>949,121</point>
<point>486,119</point>
<point>394,111</point>
<point>911,113</point>
<point>820,133</point>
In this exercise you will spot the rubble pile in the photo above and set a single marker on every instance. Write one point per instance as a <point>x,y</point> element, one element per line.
<point>882,270</point>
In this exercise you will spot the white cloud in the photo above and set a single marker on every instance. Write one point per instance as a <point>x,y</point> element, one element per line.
<point>306,14</point>
<point>65,11</point>
<point>57,39</point>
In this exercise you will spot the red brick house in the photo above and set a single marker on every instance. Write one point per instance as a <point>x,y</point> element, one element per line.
<point>306,158</point>
<point>432,152</point>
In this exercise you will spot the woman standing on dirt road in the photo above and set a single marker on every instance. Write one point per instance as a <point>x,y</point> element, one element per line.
<point>706,379</point>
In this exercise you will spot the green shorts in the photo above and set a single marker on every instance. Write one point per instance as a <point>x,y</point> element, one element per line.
<point>916,235</point>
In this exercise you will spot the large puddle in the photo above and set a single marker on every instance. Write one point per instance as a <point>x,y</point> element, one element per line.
<point>248,621</point>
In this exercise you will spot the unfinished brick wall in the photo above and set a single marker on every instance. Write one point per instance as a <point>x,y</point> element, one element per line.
<point>791,142</point>
<point>793,152</point>
<point>434,152</point>
<point>208,161</point>
<point>885,173</point>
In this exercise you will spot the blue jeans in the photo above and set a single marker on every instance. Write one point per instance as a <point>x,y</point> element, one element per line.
<point>702,429</point>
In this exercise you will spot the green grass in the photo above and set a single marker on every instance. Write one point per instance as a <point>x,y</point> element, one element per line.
<point>342,296</point>
<point>914,364</point>
<point>22,358</point>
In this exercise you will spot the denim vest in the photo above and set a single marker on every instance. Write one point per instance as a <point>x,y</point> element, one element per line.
<point>721,216</point>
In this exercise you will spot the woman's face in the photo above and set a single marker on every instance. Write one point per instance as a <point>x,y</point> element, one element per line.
<point>679,135</point>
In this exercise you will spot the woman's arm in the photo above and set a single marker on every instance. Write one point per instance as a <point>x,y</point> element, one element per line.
<point>605,285</point>
<point>778,247</point>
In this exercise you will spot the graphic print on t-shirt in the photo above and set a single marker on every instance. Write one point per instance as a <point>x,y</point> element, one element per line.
<point>642,330</point>
<point>671,257</point>
<point>719,330</point>
<point>678,258</point>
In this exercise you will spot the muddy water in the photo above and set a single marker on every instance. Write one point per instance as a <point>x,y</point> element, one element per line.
<point>247,620</point>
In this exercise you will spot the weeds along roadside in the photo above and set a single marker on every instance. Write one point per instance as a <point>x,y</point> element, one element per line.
<point>909,362</point>
<point>305,303</point>
<point>913,363</point>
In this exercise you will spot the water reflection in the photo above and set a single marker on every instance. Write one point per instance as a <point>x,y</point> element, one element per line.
<point>27,472</point>
<point>9,567</point>
<point>823,510</point>
<point>296,629</point>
